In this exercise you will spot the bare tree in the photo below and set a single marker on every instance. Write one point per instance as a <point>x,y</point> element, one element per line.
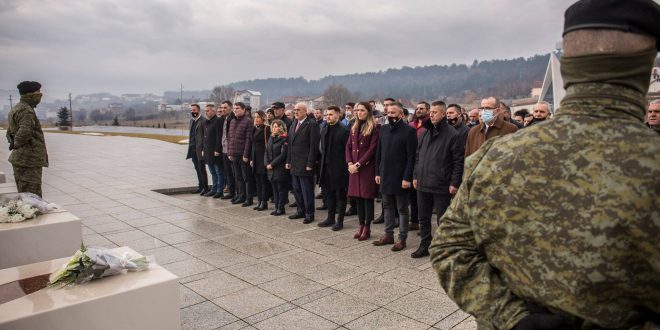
<point>338,94</point>
<point>221,93</point>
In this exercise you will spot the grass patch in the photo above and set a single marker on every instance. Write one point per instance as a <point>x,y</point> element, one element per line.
<point>166,138</point>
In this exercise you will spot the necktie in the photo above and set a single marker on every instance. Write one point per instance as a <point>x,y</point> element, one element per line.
<point>298,126</point>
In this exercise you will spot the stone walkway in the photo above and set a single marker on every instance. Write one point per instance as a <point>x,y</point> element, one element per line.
<point>238,268</point>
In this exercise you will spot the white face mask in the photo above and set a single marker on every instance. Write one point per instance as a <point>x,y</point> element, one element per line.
<point>348,113</point>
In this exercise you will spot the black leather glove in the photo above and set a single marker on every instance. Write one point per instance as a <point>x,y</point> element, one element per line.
<point>543,321</point>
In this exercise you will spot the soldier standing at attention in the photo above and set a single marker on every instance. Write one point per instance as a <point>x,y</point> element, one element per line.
<point>572,242</point>
<point>26,139</point>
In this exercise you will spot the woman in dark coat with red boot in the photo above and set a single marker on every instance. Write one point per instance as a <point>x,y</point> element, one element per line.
<point>360,157</point>
<point>275,159</point>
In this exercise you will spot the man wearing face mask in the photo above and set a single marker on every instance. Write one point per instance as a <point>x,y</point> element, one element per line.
<point>395,160</point>
<point>556,227</point>
<point>456,121</point>
<point>492,125</point>
<point>541,112</point>
<point>26,139</point>
<point>195,147</point>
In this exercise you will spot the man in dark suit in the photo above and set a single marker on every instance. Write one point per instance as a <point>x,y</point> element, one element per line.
<point>195,147</point>
<point>213,150</point>
<point>301,161</point>
<point>333,175</point>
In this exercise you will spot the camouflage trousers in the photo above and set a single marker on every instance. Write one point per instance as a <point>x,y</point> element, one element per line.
<point>28,179</point>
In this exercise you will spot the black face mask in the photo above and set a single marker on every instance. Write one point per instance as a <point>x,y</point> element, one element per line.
<point>194,114</point>
<point>452,121</point>
<point>392,120</point>
<point>539,119</point>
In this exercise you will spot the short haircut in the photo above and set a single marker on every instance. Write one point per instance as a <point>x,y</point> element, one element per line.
<point>227,103</point>
<point>426,104</point>
<point>441,104</point>
<point>240,105</point>
<point>210,105</point>
<point>656,101</point>
<point>195,105</point>
<point>372,101</point>
<point>389,99</point>
<point>528,115</point>
<point>454,105</point>
<point>398,105</point>
<point>333,108</point>
<point>350,104</point>
<point>405,112</point>
<point>521,113</point>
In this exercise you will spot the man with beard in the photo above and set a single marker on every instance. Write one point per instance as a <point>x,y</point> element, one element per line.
<point>541,112</point>
<point>225,111</point>
<point>556,227</point>
<point>455,119</point>
<point>505,110</point>
<point>212,150</point>
<point>195,147</point>
<point>473,116</point>
<point>26,140</point>
<point>333,174</point>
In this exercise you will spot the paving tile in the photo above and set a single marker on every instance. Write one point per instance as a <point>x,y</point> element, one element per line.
<point>127,236</point>
<point>240,324</point>
<point>141,222</point>
<point>180,237</point>
<point>314,296</point>
<point>424,305</point>
<point>248,302</point>
<point>161,229</point>
<point>379,292</point>
<point>204,316</point>
<point>333,273</point>
<point>143,244</point>
<point>292,287</point>
<point>188,267</point>
<point>452,320</point>
<point>167,255</point>
<point>467,324</point>
<point>299,262</point>
<point>188,297</point>
<point>110,227</point>
<point>296,319</point>
<point>385,319</point>
<point>340,308</point>
<point>201,248</point>
<point>256,318</point>
<point>217,285</point>
<point>258,273</point>
<point>226,258</point>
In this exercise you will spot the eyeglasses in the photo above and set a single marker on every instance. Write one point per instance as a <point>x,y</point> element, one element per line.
<point>485,108</point>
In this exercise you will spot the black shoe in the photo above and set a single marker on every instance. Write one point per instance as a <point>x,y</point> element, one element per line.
<point>296,216</point>
<point>322,207</point>
<point>338,226</point>
<point>238,201</point>
<point>262,206</point>
<point>209,193</point>
<point>247,203</point>
<point>396,224</point>
<point>319,196</point>
<point>273,213</point>
<point>227,197</point>
<point>199,190</point>
<point>380,219</point>
<point>308,219</point>
<point>351,211</point>
<point>326,223</point>
<point>217,195</point>
<point>279,212</point>
<point>420,253</point>
<point>293,204</point>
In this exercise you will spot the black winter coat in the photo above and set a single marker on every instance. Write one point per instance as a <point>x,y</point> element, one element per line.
<point>439,162</point>
<point>259,140</point>
<point>303,147</point>
<point>333,157</point>
<point>196,137</point>
<point>213,140</point>
<point>275,155</point>
<point>395,156</point>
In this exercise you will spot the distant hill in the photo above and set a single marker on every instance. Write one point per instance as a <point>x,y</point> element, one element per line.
<point>511,78</point>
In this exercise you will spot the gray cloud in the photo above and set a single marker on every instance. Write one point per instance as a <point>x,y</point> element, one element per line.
<point>150,46</point>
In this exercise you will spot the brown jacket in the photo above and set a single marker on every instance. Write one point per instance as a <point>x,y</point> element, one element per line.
<point>478,134</point>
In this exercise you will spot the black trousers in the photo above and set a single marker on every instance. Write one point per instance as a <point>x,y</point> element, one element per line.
<point>228,174</point>
<point>202,179</point>
<point>262,184</point>
<point>303,191</point>
<point>414,216</point>
<point>427,202</point>
<point>365,210</point>
<point>280,192</point>
<point>245,185</point>
<point>335,200</point>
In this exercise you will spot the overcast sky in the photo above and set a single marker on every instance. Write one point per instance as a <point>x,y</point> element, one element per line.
<point>130,46</point>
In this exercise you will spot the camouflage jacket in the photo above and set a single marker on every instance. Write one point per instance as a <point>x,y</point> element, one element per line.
<point>564,215</point>
<point>29,143</point>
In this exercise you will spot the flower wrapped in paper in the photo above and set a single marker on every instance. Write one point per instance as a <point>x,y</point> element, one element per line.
<point>95,262</point>
<point>22,206</point>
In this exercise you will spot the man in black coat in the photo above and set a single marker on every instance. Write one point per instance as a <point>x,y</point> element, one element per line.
<point>395,161</point>
<point>212,150</point>
<point>195,147</point>
<point>225,112</point>
<point>456,121</point>
<point>333,175</point>
<point>438,171</point>
<point>301,161</point>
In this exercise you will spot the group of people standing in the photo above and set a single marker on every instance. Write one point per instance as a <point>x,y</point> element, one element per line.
<point>354,154</point>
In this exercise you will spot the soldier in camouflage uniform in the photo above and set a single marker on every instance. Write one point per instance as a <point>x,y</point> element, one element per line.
<point>26,139</point>
<point>558,225</point>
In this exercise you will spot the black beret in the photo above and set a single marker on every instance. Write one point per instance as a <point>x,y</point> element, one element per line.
<point>635,16</point>
<point>28,87</point>
<point>278,105</point>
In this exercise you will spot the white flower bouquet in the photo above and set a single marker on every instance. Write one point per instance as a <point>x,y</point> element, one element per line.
<point>95,262</point>
<point>22,206</point>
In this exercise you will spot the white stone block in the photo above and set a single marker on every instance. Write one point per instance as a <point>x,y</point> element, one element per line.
<point>46,237</point>
<point>140,300</point>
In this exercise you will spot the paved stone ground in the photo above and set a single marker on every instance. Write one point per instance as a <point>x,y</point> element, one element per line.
<point>238,268</point>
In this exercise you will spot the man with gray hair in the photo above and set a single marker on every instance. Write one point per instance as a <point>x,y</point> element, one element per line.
<point>541,112</point>
<point>492,125</point>
<point>653,115</point>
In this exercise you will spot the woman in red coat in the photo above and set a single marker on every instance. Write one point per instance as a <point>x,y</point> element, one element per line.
<point>360,156</point>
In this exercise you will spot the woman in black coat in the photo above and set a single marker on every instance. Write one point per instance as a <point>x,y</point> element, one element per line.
<point>275,161</point>
<point>259,140</point>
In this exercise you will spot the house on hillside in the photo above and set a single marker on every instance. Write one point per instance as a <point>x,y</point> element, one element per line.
<point>248,97</point>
